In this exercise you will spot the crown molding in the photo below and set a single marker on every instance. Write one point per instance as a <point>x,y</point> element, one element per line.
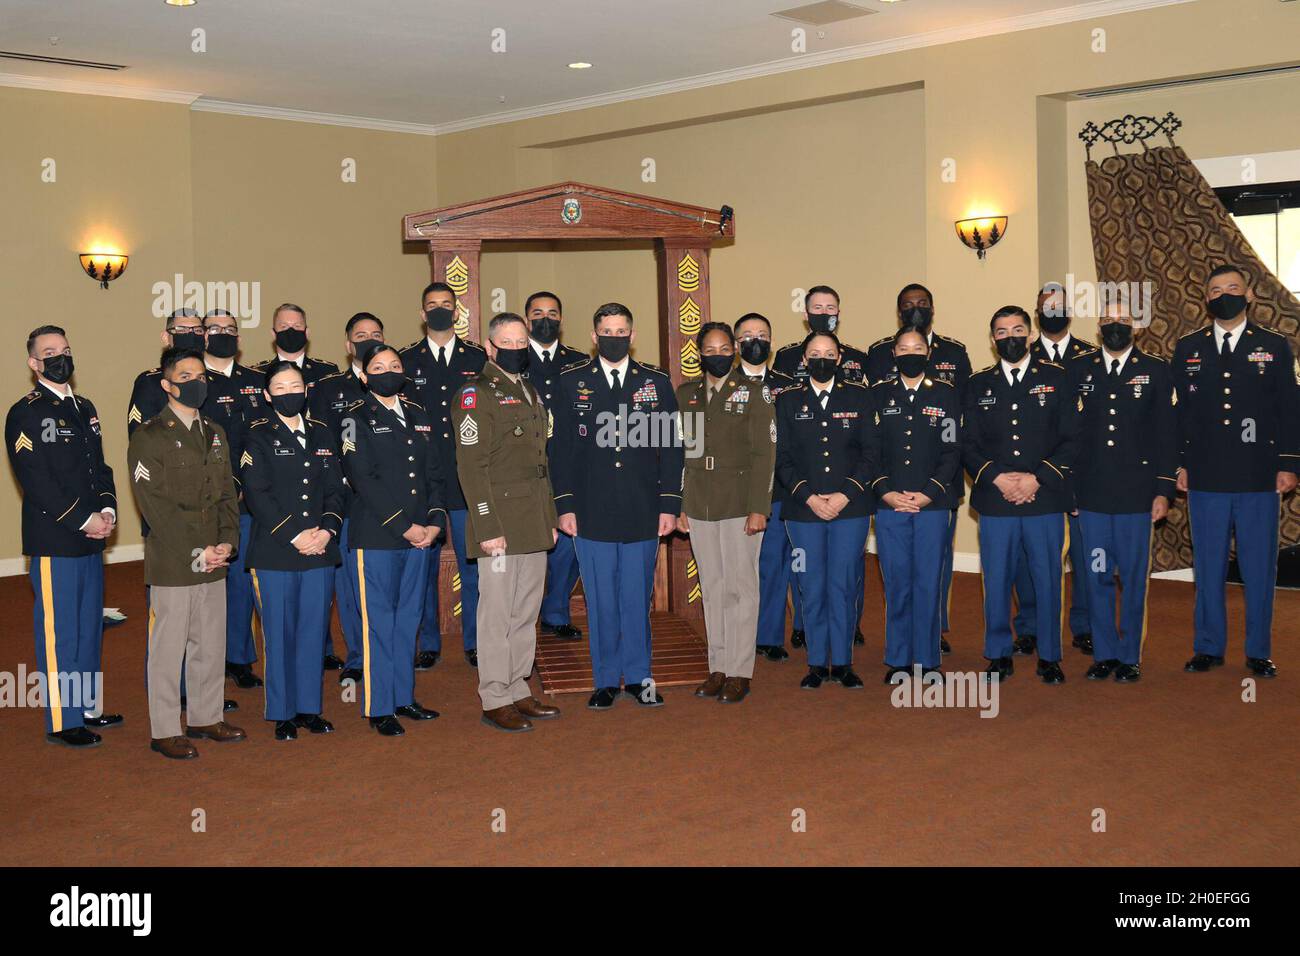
<point>50,84</point>
<point>196,101</point>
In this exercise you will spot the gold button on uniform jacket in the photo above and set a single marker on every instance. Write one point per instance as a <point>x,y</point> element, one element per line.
<point>501,432</point>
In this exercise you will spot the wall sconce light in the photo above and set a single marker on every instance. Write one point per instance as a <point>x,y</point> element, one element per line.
<point>103,267</point>
<point>982,233</point>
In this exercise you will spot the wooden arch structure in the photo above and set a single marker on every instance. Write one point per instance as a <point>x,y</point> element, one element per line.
<point>684,235</point>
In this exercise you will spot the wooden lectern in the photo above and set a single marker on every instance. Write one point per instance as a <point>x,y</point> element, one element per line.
<point>683,236</point>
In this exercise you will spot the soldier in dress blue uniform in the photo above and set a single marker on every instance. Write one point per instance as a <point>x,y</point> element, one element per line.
<point>826,450</point>
<point>754,344</point>
<point>327,402</point>
<point>949,363</point>
<point>293,484</point>
<point>616,469</point>
<point>1055,344</point>
<point>394,463</point>
<point>1019,442</point>
<point>549,356</point>
<point>1239,435</point>
<point>289,324</point>
<point>234,399</point>
<point>69,509</point>
<point>1123,483</point>
<point>920,461</point>
<point>438,365</point>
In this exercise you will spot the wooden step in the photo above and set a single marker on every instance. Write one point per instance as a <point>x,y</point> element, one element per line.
<point>678,656</point>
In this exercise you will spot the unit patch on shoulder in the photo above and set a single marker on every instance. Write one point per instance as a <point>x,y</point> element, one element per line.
<point>469,398</point>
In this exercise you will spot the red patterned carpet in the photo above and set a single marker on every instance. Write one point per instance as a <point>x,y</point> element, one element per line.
<point>1185,771</point>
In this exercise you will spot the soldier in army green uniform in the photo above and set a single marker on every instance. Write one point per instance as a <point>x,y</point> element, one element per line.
<point>179,463</point>
<point>501,430</point>
<point>730,431</point>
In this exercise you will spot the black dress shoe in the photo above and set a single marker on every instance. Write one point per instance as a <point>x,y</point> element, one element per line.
<point>331,663</point>
<point>1083,642</point>
<point>603,699</point>
<point>944,646</point>
<point>643,695</point>
<point>845,676</point>
<point>1261,666</point>
<point>414,711</point>
<point>1000,668</point>
<point>314,723</point>
<point>1128,674</point>
<point>243,676</point>
<point>798,639</point>
<point>472,658</point>
<point>75,737</point>
<point>388,726</point>
<point>1100,670</point>
<point>858,639</point>
<point>1026,644</point>
<point>1201,663</point>
<point>892,672</point>
<point>285,730</point>
<point>813,679</point>
<point>565,632</point>
<point>103,720</point>
<point>1050,672</point>
<point>773,652</point>
<point>425,660</point>
<point>229,705</point>
<point>353,674</point>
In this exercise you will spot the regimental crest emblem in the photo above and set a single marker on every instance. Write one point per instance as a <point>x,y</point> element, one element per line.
<point>571,211</point>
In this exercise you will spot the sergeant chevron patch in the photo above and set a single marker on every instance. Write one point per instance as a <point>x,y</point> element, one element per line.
<point>348,446</point>
<point>245,460</point>
<point>23,443</point>
<point>135,415</point>
<point>141,472</point>
<point>469,431</point>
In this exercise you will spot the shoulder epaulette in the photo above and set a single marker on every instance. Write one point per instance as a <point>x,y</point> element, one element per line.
<point>413,345</point>
<point>987,368</point>
<point>1203,328</point>
<point>885,341</point>
<point>572,365</point>
<point>653,368</point>
<point>940,381</point>
<point>470,343</point>
<point>258,421</point>
<point>33,395</point>
<point>359,401</point>
<point>326,362</point>
<point>333,375</point>
<point>316,421</point>
<point>854,384</point>
<point>1051,364</point>
<point>410,401</point>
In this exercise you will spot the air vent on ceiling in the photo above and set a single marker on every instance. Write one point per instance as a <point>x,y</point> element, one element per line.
<point>1170,84</point>
<point>60,61</point>
<point>823,13</point>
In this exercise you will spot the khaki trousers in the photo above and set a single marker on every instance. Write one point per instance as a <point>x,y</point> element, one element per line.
<point>727,559</point>
<point>509,597</point>
<point>186,622</point>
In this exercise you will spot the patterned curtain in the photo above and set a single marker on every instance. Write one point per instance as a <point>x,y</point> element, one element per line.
<point>1155,219</point>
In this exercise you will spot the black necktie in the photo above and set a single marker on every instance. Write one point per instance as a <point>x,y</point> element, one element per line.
<point>1226,348</point>
<point>301,435</point>
<point>442,355</point>
<point>1114,368</point>
<point>823,397</point>
<point>616,387</point>
<point>1015,377</point>
<point>1056,353</point>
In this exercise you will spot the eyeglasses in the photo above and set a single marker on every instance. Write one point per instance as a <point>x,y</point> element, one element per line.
<point>221,330</point>
<point>186,330</point>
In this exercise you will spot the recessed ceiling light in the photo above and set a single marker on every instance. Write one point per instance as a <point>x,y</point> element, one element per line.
<point>580,66</point>
<point>180,3</point>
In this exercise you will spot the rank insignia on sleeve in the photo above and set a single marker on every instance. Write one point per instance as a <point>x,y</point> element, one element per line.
<point>772,430</point>
<point>141,472</point>
<point>245,460</point>
<point>135,415</point>
<point>469,431</point>
<point>23,443</point>
<point>550,423</point>
<point>349,446</point>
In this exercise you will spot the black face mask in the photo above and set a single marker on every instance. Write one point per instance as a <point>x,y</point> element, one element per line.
<point>822,369</point>
<point>1227,306</point>
<point>1013,347</point>
<point>440,319</point>
<point>191,394</point>
<point>291,341</point>
<point>755,351</point>
<point>1116,336</point>
<point>1053,323</point>
<point>222,346</point>
<point>613,348</point>
<point>910,364</point>
<point>289,404</point>
<point>58,369</point>
<point>823,321</point>
<point>188,340</point>
<point>545,331</point>
<point>386,384</point>
<point>513,361</point>
<point>716,365</point>
<point>918,317</point>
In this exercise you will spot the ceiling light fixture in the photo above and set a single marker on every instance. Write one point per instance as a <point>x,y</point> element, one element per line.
<point>580,66</point>
<point>180,3</point>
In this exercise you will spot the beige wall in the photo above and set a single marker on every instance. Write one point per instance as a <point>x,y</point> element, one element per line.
<point>262,199</point>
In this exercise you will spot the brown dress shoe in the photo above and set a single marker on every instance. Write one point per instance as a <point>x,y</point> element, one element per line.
<point>713,686</point>
<point>174,748</point>
<point>221,732</point>
<point>534,708</point>
<point>734,690</point>
<point>507,718</point>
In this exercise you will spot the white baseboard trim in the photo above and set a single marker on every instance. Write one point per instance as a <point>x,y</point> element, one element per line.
<point>118,554</point>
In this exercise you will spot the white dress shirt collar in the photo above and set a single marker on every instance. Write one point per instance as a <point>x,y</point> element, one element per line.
<point>1023,365</point>
<point>545,351</point>
<point>622,368</point>
<point>1122,358</point>
<point>1057,348</point>
<point>296,361</point>
<point>1220,332</point>
<point>58,391</point>
<point>229,367</point>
